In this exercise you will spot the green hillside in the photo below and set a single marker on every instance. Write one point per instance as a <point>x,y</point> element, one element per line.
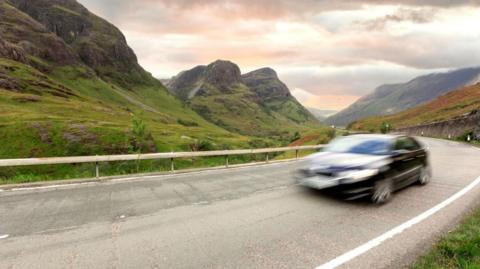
<point>394,98</point>
<point>448,106</point>
<point>255,104</point>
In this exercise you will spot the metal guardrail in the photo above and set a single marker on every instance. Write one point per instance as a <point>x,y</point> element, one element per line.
<point>151,156</point>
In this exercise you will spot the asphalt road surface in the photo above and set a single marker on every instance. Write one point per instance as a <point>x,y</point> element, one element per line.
<point>252,217</point>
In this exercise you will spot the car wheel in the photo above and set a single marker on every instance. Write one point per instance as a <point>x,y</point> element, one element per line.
<point>382,191</point>
<point>425,175</point>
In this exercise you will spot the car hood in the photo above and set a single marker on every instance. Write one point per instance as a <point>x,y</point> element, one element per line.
<point>342,161</point>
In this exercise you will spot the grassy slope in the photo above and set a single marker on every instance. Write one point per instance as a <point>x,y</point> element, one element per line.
<point>92,106</point>
<point>458,249</point>
<point>238,112</point>
<point>445,107</point>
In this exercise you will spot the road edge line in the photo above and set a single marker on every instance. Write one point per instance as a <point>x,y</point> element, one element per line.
<point>352,254</point>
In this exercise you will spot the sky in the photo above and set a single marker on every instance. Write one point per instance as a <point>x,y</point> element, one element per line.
<point>329,53</point>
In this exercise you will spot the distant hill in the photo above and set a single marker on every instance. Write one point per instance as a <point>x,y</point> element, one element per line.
<point>448,106</point>
<point>321,114</point>
<point>256,103</point>
<point>393,98</point>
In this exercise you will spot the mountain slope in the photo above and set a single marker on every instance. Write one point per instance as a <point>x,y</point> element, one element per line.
<point>97,43</point>
<point>448,106</point>
<point>69,85</point>
<point>388,99</point>
<point>256,103</point>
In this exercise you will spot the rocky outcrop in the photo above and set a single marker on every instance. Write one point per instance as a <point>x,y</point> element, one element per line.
<point>12,52</point>
<point>9,83</point>
<point>22,36</point>
<point>186,84</point>
<point>453,128</point>
<point>93,41</point>
<point>266,84</point>
<point>199,80</point>
<point>222,74</point>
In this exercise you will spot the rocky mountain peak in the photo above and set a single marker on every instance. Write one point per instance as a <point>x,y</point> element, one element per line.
<point>222,73</point>
<point>265,72</point>
<point>94,41</point>
<point>266,84</point>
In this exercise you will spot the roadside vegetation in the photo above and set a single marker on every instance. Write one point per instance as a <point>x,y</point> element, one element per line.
<point>458,249</point>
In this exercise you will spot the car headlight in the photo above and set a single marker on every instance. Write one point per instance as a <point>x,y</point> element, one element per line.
<point>357,175</point>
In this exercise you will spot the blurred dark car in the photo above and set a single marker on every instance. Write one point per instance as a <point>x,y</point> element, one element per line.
<point>367,165</point>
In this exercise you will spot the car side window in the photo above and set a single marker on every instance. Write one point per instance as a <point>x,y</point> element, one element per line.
<point>406,143</point>
<point>414,145</point>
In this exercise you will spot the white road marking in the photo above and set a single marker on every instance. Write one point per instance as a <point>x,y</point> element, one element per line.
<point>4,236</point>
<point>350,255</point>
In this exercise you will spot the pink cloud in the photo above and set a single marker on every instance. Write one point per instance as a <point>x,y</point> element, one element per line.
<point>327,48</point>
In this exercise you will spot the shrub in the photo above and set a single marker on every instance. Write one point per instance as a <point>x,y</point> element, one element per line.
<point>331,133</point>
<point>385,127</point>
<point>187,123</point>
<point>140,139</point>
<point>296,136</point>
<point>202,145</point>
<point>465,135</point>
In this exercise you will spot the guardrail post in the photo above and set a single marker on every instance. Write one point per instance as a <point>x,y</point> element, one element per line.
<point>172,165</point>
<point>267,158</point>
<point>97,170</point>
<point>296,154</point>
<point>226,161</point>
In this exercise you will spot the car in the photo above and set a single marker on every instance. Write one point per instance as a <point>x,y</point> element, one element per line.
<point>367,165</point>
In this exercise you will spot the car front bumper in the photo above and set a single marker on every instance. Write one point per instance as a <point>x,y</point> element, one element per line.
<point>348,191</point>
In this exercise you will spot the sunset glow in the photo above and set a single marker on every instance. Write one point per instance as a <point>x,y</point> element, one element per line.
<point>334,51</point>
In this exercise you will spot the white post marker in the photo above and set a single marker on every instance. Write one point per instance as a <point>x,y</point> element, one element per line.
<point>4,236</point>
<point>352,254</point>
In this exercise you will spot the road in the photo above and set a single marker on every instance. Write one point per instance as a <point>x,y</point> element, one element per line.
<point>252,217</point>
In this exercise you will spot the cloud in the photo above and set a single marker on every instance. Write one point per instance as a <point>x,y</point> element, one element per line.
<point>325,48</point>
<point>402,15</point>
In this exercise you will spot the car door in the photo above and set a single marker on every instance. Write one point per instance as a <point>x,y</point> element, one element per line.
<point>405,161</point>
<point>417,155</point>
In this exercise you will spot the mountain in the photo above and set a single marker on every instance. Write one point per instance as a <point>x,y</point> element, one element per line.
<point>450,105</point>
<point>71,85</point>
<point>256,103</point>
<point>321,114</point>
<point>393,98</point>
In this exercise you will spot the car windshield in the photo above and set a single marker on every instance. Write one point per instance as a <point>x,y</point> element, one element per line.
<point>360,145</point>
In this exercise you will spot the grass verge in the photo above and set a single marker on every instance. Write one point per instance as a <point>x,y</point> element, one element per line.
<point>458,249</point>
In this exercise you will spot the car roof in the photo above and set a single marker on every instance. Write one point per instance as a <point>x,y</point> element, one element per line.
<point>380,136</point>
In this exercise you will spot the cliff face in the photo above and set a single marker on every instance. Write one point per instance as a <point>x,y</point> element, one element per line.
<point>21,36</point>
<point>222,74</point>
<point>86,38</point>
<point>266,84</point>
